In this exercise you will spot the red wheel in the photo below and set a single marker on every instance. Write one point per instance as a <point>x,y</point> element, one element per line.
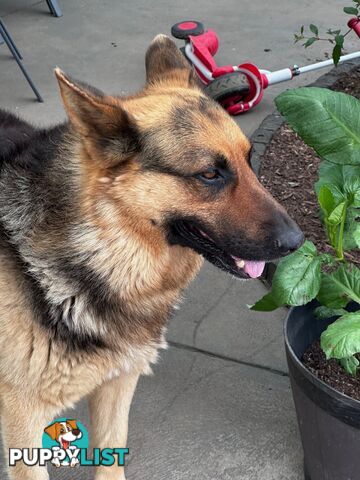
<point>186,28</point>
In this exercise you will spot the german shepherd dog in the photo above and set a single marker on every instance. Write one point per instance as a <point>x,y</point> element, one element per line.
<point>104,220</point>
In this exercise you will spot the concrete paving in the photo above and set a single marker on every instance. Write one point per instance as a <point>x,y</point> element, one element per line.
<point>214,317</point>
<point>219,404</point>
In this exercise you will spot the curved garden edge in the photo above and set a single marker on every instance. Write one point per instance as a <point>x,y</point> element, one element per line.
<point>262,137</point>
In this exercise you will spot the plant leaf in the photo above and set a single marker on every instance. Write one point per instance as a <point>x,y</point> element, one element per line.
<point>336,54</point>
<point>334,208</point>
<point>331,295</point>
<point>339,40</point>
<point>351,10</point>
<point>314,29</point>
<point>325,312</point>
<point>349,279</point>
<point>336,176</point>
<point>266,304</point>
<point>352,190</point>
<point>296,280</point>
<point>351,237</point>
<point>350,364</point>
<point>337,288</point>
<point>336,183</point>
<point>309,42</point>
<point>326,199</point>
<point>327,121</point>
<point>342,338</point>
<point>337,214</point>
<point>297,277</point>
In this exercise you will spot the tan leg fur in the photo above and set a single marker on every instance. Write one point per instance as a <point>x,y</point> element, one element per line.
<point>109,412</point>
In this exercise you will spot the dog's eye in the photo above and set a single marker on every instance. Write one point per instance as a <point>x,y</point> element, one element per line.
<point>211,176</point>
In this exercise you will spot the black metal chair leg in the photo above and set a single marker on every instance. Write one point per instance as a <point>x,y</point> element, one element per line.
<point>54,8</point>
<point>9,43</point>
<point>7,34</point>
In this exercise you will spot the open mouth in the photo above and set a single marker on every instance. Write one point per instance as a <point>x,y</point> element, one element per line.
<point>65,444</point>
<point>190,235</point>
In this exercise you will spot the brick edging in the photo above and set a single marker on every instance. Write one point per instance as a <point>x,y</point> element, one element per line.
<point>261,138</point>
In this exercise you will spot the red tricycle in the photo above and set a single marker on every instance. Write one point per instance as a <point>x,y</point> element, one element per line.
<point>238,88</point>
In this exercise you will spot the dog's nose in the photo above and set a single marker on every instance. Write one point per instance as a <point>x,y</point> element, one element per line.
<point>76,432</point>
<point>289,237</point>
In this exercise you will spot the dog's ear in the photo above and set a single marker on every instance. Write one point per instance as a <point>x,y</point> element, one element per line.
<point>104,125</point>
<point>166,64</point>
<point>52,431</point>
<point>72,424</point>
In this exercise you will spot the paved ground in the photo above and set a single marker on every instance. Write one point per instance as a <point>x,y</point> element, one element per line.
<point>219,404</point>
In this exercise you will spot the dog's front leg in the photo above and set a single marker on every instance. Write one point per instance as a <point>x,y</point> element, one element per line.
<point>109,411</point>
<point>23,420</point>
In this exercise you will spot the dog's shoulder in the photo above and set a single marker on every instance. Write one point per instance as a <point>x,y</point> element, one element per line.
<point>26,146</point>
<point>15,135</point>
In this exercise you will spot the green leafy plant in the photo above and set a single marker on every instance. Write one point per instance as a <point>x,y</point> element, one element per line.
<point>335,37</point>
<point>330,123</point>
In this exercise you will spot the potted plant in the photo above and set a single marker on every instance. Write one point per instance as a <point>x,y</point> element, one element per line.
<point>323,288</point>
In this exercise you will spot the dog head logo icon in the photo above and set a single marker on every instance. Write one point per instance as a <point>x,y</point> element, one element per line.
<point>64,432</point>
<point>66,435</point>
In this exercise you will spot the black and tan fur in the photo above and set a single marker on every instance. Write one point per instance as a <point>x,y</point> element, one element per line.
<point>99,234</point>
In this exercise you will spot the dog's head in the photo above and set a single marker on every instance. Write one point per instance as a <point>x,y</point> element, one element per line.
<point>64,432</point>
<point>177,165</point>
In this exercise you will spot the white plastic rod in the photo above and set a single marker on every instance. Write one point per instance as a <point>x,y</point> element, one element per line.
<point>326,63</point>
<point>288,73</point>
<point>279,76</point>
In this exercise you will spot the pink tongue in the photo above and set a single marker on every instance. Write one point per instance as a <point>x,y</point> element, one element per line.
<point>254,269</point>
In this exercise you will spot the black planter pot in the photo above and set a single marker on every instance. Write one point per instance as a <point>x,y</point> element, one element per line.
<point>329,421</point>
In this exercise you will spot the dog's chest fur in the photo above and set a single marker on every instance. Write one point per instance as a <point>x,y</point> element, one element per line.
<point>31,359</point>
